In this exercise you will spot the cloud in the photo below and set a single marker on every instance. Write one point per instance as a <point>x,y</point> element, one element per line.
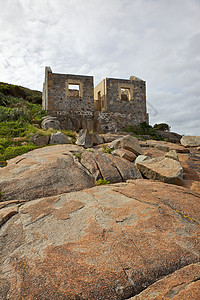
<point>157,41</point>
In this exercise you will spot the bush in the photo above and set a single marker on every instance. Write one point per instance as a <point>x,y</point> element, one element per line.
<point>101,182</point>
<point>144,129</point>
<point>162,127</point>
<point>106,149</point>
<point>21,92</point>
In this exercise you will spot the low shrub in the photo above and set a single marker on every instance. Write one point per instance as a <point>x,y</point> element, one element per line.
<point>144,129</point>
<point>106,149</point>
<point>101,182</point>
<point>162,127</point>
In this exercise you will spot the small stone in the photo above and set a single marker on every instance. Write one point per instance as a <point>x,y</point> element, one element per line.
<point>127,142</point>
<point>97,139</point>
<point>141,158</point>
<point>172,154</point>
<point>59,138</point>
<point>40,140</point>
<point>85,139</point>
<point>128,155</point>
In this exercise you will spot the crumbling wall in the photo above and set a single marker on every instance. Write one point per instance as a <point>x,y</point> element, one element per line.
<point>125,103</point>
<point>113,105</point>
<point>74,108</point>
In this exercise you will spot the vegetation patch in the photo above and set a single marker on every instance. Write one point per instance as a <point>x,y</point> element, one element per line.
<point>101,182</point>
<point>106,149</point>
<point>144,129</point>
<point>11,152</point>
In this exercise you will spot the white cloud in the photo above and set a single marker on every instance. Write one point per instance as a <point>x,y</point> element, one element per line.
<point>157,41</point>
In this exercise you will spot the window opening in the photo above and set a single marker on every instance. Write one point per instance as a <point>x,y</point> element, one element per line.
<point>73,87</point>
<point>99,95</point>
<point>125,94</point>
<point>74,90</point>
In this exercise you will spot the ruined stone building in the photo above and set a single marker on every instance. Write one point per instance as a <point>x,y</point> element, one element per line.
<point>112,105</point>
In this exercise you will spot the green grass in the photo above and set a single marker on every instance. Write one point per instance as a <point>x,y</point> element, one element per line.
<point>11,152</point>
<point>106,149</point>
<point>20,110</point>
<point>101,182</point>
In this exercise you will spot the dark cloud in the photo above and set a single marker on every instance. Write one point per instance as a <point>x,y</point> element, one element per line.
<point>157,41</point>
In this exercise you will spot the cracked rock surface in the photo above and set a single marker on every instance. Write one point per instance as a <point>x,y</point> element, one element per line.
<point>182,284</point>
<point>60,169</point>
<point>106,242</point>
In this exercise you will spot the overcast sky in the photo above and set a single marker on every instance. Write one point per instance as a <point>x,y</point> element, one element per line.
<point>156,40</point>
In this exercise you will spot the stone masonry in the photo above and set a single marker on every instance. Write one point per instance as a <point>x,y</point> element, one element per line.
<point>113,105</point>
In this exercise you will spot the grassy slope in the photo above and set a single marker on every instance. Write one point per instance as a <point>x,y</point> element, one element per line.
<point>20,117</point>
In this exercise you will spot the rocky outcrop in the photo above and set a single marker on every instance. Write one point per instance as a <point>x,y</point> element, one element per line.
<point>166,146</point>
<point>109,242</point>
<point>172,137</point>
<point>190,141</point>
<point>50,122</point>
<point>191,170</point>
<point>182,284</point>
<point>108,167</point>
<point>127,142</point>
<point>164,169</point>
<point>140,159</point>
<point>172,154</point>
<point>43,172</point>
<point>110,137</point>
<point>58,169</point>
<point>59,138</point>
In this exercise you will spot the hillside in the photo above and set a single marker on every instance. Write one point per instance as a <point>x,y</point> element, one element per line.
<point>20,115</point>
<point>17,91</point>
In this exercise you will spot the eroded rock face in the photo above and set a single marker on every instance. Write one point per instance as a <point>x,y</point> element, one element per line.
<point>43,172</point>
<point>58,169</point>
<point>182,284</point>
<point>109,167</point>
<point>190,141</point>
<point>108,242</point>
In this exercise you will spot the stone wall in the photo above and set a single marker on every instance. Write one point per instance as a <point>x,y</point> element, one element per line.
<point>61,101</point>
<point>122,103</point>
<point>113,105</point>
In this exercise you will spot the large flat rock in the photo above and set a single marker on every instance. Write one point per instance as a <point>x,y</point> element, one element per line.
<point>60,169</point>
<point>43,172</point>
<point>107,242</point>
